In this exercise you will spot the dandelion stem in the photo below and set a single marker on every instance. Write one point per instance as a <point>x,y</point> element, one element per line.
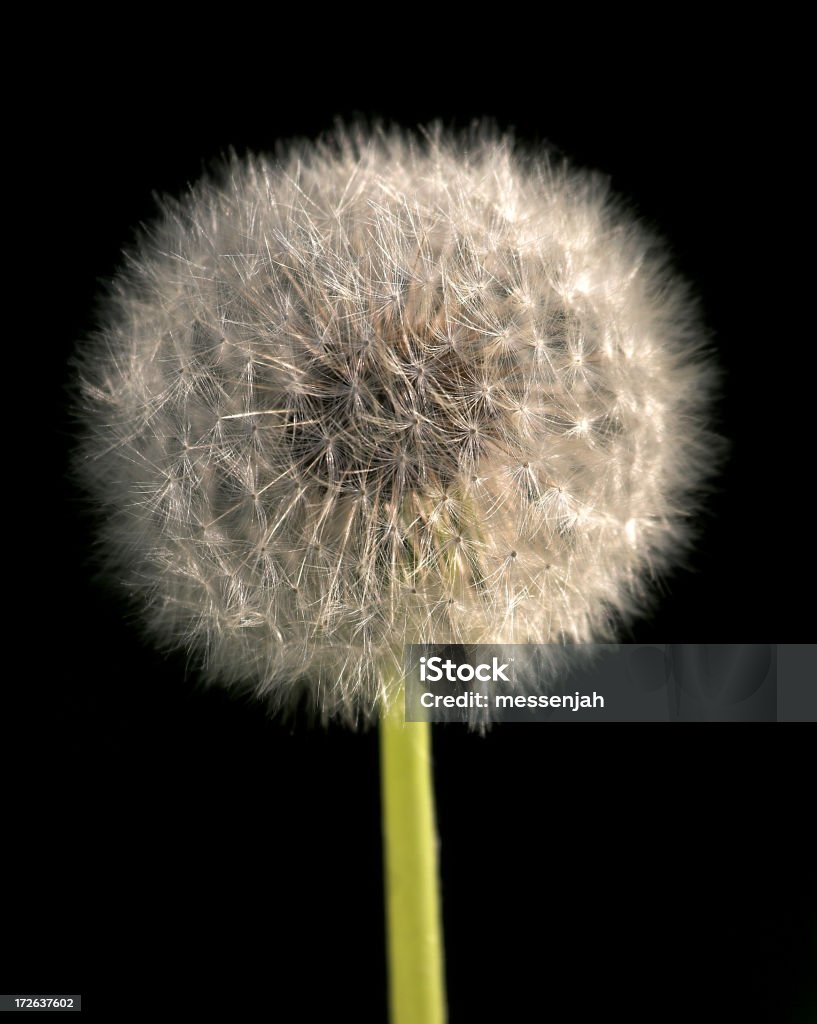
<point>414,930</point>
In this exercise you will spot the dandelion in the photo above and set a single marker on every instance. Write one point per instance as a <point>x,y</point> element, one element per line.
<point>388,389</point>
<point>335,391</point>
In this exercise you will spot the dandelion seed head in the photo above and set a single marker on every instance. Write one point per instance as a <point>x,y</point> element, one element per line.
<point>387,389</point>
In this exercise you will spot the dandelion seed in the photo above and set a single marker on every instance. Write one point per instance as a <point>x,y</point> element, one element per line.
<point>359,372</point>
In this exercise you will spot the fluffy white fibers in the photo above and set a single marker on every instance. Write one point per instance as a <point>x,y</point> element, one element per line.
<point>387,389</point>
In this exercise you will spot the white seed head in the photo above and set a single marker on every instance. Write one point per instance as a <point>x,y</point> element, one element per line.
<point>385,390</point>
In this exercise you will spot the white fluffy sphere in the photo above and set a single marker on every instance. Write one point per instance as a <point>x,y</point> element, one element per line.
<point>385,390</point>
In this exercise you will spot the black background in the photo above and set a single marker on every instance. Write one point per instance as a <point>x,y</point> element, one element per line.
<point>162,836</point>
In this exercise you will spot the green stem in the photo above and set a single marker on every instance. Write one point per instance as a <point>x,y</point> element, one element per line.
<point>415,948</point>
